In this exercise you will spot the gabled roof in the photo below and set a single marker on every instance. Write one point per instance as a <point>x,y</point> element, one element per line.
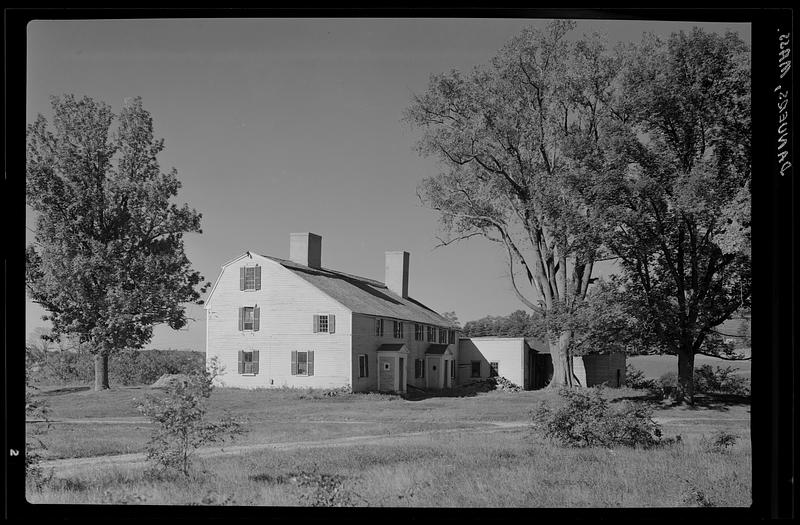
<point>364,296</point>
<point>392,347</point>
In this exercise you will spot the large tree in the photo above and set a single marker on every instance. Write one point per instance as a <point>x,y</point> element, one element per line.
<point>108,260</point>
<point>679,173</point>
<point>518,139</point>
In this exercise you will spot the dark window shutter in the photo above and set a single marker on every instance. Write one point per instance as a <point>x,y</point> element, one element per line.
<point>255,361</point>
<point>241,278</point>
<point>256,315</point>
<point>241,361</point>
<point>294,362</point>
<point>241,319</point>
<point>311,362</point>
<point>316,324</point>
<point>366,366</point>
<point>331,323</point>
<point>258,277</point>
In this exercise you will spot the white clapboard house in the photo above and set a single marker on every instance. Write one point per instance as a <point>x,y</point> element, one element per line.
<point>274,322</point>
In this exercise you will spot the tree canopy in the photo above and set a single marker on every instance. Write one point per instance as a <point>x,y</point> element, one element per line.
<point>108,260</point>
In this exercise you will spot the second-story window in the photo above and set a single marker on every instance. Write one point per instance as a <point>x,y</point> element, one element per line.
<point>418,334</point>
<point>249,318</point>
<point>442,336</point>
<point>325,323</point>
<point>398,329</point>
<point>379,327</point>
<point>431,333</point>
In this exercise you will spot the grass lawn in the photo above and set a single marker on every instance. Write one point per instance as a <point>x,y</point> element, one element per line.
<point>473,463</point>
<point>655,366</point>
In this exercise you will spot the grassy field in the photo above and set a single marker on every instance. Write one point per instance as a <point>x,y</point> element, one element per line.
<point>440,451</point>
<point>654,366</point>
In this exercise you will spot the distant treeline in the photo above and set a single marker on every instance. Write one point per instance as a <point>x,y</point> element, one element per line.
<point>515,324</point>
<point>128,367</point>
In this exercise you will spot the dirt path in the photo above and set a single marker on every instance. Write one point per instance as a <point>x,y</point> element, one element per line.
<point>71,466</point>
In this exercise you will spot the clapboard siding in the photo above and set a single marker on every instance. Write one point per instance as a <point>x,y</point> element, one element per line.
<point>287,306</point>
<point>602,368</point>
<point>366,342</point>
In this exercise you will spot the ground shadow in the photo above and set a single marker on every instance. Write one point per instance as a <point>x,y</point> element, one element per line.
<point>719,402</point>
<point>414,393</point>
<point>65,390</point>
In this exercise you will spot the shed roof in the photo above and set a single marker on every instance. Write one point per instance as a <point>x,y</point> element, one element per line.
<point>362,295</point>
<point>436,349</point>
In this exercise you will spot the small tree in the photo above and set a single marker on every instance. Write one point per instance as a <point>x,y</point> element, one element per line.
<point>181,427</point>
<point>35,409</point>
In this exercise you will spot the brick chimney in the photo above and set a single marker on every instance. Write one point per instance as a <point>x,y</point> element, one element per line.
<point>397,272</point>
<point>306,249</point>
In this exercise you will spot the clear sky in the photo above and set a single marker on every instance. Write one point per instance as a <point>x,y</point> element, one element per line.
<point>290,125</point>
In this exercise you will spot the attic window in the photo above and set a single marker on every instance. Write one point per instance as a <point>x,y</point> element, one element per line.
<point>250,278</point>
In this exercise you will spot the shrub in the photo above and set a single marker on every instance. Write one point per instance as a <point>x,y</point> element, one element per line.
<point>708,379</point>
<point>720,442</point>
<point>180,424</point>
<point>635,378</point>
<point>585,419</point>
<point>34,409</point>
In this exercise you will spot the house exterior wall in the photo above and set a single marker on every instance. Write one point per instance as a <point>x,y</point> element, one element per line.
<point>507,352</point>
<point>287,305</point>
<point>366,342</point>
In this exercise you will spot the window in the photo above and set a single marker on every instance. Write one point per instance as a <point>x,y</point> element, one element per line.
<point>249,318</point>
<point>250,278</point>
<point>419,368</point>
<point>494,369</point>
<point>248,362</point>
<point>325,323</point>
<point>442,336</point>
<point>303,363</point>
<point>398,329</point>
<point>363,366</point>
<point>418,334</point>
<point>476,369</point>
<point>431,334</point>
<point>451,336</point>
<point>379,327</point>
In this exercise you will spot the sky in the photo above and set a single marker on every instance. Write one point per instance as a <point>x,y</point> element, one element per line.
<point>292,125</point>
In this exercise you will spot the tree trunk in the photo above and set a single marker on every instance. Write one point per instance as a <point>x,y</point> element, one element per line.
<point>101,370</point>
<point>685,391</point>
<point>562,364</point>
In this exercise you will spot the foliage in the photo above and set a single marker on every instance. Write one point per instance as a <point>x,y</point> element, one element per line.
<point>107,261</point>
<point>635,378</point>
<point>720,442</point>
<point>35,409</point>
<point>452,317</point>
<point>518,139</point>
<point>181,426</point>
<point>66,365</point>
<point>708,379</point>
<point>515,324</point>
<point>679,179</point>
<point>585,419</point>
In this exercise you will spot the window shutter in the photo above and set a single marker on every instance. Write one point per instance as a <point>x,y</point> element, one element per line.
<point>241,318</point>
<point>331,323</point>
<point>316,324</point>
<point>256,315</point>
<point>258,277</point>
<point>255,361</point>
<point>294,362</point>
<point>241,279</point>
<point>241,361</point>
<point>366,365</point>
<point>311,362</point>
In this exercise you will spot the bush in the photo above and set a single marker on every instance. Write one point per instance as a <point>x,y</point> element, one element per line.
<point>720,380</point>
<point>720,442</point>
<point>585,419</point>
<point>180,424</point>
<point>35,409</point>
<point>635,378</point>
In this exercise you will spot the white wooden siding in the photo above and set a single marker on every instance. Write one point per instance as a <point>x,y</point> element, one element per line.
<point>287,307</point>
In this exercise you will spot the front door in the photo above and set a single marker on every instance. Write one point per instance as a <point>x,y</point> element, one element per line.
<point>402,374</point>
